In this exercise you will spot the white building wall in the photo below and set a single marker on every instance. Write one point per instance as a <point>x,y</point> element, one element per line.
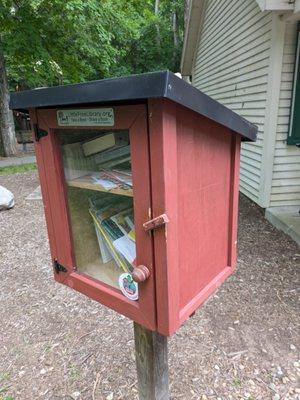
<point>285,188</point>
<point>232,65</point>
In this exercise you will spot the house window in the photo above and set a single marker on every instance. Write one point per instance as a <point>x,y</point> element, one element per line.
<point>294,133</point>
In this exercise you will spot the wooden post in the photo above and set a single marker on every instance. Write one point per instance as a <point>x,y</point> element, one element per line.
<point>151,354</point>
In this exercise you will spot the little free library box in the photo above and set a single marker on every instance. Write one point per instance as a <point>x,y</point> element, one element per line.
<point>139,178</point>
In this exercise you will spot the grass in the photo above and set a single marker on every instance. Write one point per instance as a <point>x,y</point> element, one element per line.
<point>4,377</point>
<point>2,392</point>
<point>237,382</point>
<point>74,372</point>
<point>13,169</point>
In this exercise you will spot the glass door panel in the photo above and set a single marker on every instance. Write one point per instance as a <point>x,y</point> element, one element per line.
<point>97,168</point>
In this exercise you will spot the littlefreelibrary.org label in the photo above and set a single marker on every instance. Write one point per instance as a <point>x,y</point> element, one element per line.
<point>86,117</point>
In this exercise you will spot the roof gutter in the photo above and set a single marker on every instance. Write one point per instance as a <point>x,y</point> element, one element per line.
<point>192,31</point>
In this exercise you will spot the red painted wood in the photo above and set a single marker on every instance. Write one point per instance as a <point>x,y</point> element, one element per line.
<point>204,166</point>
<point>194,164</point>
<point>164,181</point>
<point>186,168</point>
<point>43,181</point>
<point>208,290</point>
<point>140,163</point>
<point>56,194</point>
<point>234,199</point>
<point>133,118</point>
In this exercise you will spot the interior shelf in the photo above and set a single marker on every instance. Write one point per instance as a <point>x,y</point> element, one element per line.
<point>87,182</point>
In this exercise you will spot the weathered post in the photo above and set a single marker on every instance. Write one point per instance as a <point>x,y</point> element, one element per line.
<point>151,353</point>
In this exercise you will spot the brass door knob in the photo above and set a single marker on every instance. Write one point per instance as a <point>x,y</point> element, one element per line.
<point>140,273</point>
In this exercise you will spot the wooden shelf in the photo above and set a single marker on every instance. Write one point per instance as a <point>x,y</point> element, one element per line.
<point>86,182</point>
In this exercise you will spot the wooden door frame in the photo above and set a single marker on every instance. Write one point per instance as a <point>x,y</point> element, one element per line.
<point>50,167</point>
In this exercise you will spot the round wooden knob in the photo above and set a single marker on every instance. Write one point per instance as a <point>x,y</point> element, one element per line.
<point>140,273</point>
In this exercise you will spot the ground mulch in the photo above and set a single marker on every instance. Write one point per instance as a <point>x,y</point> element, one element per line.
<point>57,344</point>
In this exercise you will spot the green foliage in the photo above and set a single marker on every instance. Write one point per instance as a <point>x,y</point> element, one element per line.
<point>64,41</point>
<point>146,54</point>
<point>17,169</point>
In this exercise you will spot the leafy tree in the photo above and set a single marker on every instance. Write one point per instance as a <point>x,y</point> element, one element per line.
<point>45,43</point>
<point>159,43</point>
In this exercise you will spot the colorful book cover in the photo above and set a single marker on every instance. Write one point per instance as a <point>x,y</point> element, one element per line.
<point>124,220</point>
<point>119,259</point>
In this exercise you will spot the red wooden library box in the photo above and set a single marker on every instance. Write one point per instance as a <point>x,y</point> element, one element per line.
<point>139,178</point>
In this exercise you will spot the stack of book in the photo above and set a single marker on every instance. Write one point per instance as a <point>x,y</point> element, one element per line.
<point>108,153</point>
<point>114,225</point>
<point>109,150</point>
<point>112,179</point>
<point>111,153</point>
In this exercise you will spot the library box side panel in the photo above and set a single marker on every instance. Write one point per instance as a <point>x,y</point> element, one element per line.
<point>205,153</point>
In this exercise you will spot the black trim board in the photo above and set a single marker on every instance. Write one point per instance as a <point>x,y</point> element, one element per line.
<point>163,84</point>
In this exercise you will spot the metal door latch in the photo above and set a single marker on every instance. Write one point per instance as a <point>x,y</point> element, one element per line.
<point>58,267</point>
<point>156,222</point>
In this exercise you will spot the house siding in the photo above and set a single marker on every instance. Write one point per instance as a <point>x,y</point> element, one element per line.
<point>231,64</point>
<point>285,190</point>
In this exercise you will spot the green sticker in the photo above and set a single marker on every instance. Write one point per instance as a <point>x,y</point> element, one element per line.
<point>86,117</point>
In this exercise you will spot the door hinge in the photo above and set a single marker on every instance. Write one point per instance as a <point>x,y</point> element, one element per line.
<point>38,132</point>
<point>156,222</point>
<point>58,267</point>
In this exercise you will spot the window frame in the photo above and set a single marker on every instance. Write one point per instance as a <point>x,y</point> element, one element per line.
<point>293,138</point>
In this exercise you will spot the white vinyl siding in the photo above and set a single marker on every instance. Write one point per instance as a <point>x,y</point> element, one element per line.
<point>231,64</point>
<point>285,189</point>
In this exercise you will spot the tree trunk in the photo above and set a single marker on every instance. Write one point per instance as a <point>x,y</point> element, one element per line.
<point>7,126</point>
<point>175,37</point>
<point>156,11</point>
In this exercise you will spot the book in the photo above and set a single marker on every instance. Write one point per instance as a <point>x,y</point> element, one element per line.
<point>76,164</point>
<point>126,247</point>
<point>114,223</point>
<point>112,180</point>
<point>103,181</point>
<point>120,176</point>
<point>99,144</point>
<point>118,257</point>
<point>106,207</point>
<point>124,220</point>
<point>118,152</point>
<point>98,202</point>
<point>104,250</point>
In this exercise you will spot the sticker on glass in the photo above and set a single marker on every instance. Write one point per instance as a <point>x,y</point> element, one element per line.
<point>128,287</point>
<point>86,117</point>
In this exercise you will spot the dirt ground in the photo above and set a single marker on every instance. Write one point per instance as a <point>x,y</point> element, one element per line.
<point>57,344</point>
